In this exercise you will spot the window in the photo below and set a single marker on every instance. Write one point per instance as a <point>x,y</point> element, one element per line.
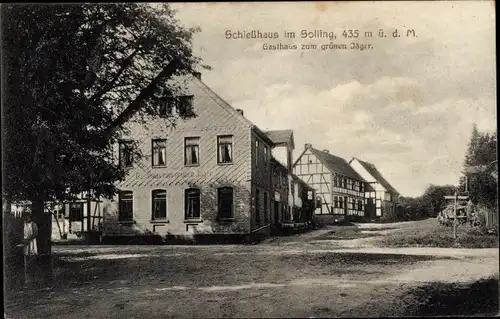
<point>336,202</point>
<point>335,181</point>
<point>192,203</point>
<point>265,207</point>
<point>76,212</point>
<point>225,202</point>
<point>360,204</point>
<point>192,151</point>
<point>257,153</point>
<point>186,105</point>
<point>125,206</point>
<point>257,207</point>
<point>166,107</point>
<point>341,202</point>
<point>225,149</point>
<point>159,152</point>
<point>344,183</point>
<point>361,187</point>
<point>265,155</point>
<point>59,212</point>
<point>309,195</point>
<point>159,204</point>
<point>125,153</point>
<point>276,179</point>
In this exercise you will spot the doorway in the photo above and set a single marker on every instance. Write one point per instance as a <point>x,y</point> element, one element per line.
<point>276,208</point>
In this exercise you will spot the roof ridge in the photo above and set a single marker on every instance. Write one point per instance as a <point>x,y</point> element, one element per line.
<point>220,101</point>
<point>379,177</point>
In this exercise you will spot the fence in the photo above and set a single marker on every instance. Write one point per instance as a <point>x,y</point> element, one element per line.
<point>490,216</point>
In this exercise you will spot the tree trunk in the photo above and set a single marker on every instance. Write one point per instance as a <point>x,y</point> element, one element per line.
<point>44,224</point>
<point>43,262</point>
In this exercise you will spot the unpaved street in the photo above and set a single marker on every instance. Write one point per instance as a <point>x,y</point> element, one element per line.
<point>296,276</point>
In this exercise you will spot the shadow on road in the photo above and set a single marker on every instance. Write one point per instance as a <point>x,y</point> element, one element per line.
<point>451,299</point>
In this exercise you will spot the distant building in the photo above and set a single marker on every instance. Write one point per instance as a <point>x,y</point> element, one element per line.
<point>294,200</point>
<point>340,190</point>
<point>383,198</point>
<point>282,153</point>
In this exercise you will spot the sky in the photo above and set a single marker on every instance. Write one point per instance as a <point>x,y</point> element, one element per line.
<point>406,105</point>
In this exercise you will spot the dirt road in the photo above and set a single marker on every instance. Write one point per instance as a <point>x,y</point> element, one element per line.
<point>296,276</point>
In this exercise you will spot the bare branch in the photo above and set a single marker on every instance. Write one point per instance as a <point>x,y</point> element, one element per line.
<point>125,63</point>
<point>136,104</point>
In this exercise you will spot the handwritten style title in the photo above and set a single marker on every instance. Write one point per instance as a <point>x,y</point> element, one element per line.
<point>257,34</point>
<point>319,34</point>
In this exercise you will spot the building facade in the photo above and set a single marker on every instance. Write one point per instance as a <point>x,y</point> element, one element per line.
<point>340,191</point>
<point>281,192</point>
<point>294,200</point>
<point>382,198</point>
<point>208,175</point>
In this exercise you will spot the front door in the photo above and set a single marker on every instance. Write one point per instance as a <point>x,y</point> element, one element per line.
<point>369,208</point>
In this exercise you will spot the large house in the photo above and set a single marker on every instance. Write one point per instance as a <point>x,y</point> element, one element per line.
<point>211,174</point>
<point>383,198</point>
<point>340,190</point>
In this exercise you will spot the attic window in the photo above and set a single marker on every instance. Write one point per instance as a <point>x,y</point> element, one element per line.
<point>186,105</point>
<point>166,106</point>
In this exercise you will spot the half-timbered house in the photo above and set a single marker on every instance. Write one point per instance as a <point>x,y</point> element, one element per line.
<point>209,175</point>
<point>382,197</point>
<point>339,189</point>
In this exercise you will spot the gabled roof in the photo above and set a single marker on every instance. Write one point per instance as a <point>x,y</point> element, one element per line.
<point>278,163</point>
<point>300,181</point>
<point>211,93</point>
<point>281,137</point>
<point>370,168</point>
<point>295,177</point>
<point>335,164</point>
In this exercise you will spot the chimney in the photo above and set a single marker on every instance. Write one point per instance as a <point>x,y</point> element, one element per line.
<point>197,75</point>
<point>326,151</point>
<point>307,146</point>
<point>240,111</point>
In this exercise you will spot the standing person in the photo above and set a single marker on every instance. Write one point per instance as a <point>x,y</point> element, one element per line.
<point>30,245</point>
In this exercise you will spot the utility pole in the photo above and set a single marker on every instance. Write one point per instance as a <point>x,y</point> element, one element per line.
<point>455,216</point>
<point>455,198</point>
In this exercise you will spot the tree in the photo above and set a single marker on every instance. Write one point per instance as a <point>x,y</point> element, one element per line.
<point>481,154</point>
<point>74,74</point>
<point>433,198</point>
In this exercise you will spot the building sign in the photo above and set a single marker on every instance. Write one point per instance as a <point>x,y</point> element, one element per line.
<point>277,196</point>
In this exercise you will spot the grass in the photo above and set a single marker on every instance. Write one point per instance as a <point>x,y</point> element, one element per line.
<point>434,235</point>
<point>343,233</point>
<point>450,299</point>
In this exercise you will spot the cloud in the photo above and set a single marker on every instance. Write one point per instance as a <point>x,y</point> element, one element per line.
<point>407,105</point>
